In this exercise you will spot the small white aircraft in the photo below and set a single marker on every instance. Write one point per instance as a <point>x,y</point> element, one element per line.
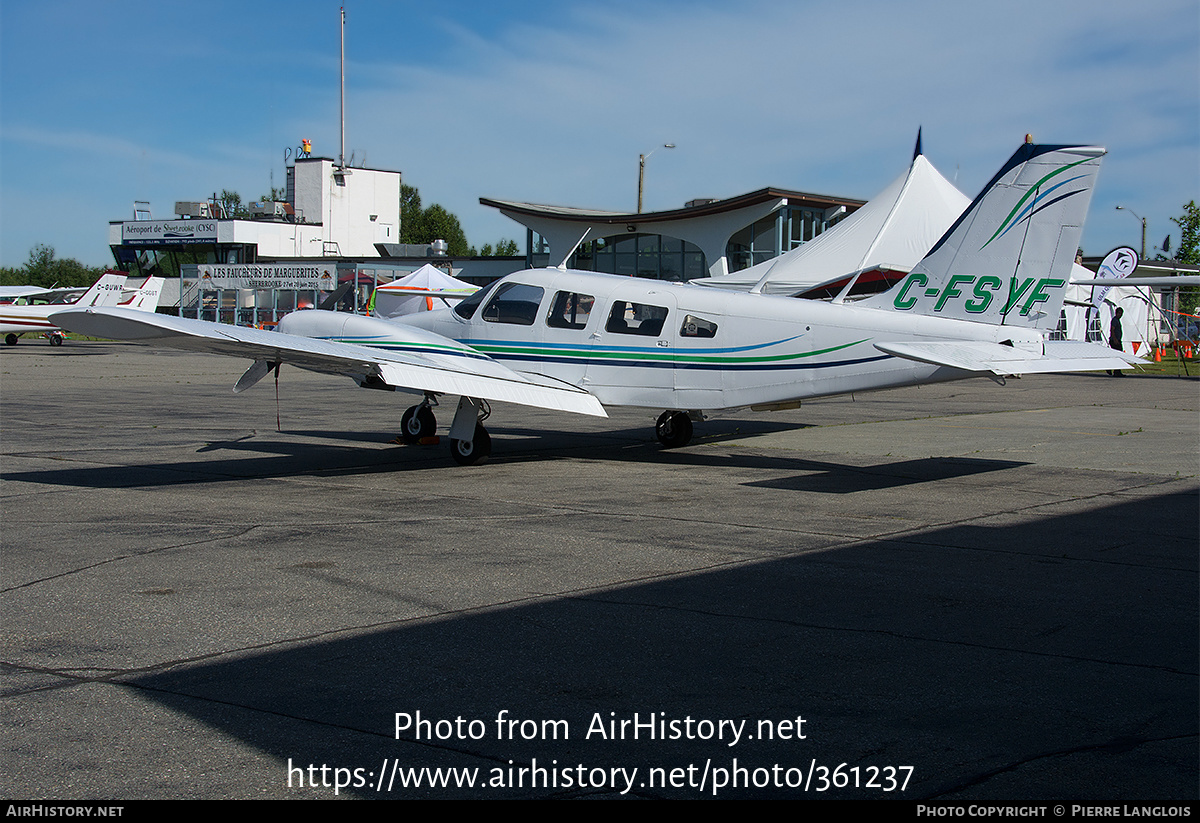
<point>144,298</point>
<point>977,304</point>
<point>31,312</point>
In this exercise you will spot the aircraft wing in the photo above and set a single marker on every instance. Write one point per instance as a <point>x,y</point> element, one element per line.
<point>422,291</point>
<point>444,366</point>
<point>980,356</point>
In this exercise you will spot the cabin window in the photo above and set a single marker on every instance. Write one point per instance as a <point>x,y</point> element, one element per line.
<point>514,303</point>
<point>636,318</point>
<point>466,308</point>
<point>694,326</point>
<point>570,310</point>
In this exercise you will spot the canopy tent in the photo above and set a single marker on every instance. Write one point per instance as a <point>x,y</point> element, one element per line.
<point>892,232</point>
<point>1138,320</point>
<point>425,289</point>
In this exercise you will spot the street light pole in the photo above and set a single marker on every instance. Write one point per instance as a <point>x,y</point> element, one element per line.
<point>1143,220</point>
<point>642,171</point>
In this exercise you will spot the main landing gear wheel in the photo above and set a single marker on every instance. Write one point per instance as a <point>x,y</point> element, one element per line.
<point>475,450</point>
<point>10,339</point>
<point>56,339</point>
<point>416,423</point>
<point>674,429</point>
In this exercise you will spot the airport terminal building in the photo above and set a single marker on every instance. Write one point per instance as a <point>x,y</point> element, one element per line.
<point>705,238</point>
<point>340,224</point>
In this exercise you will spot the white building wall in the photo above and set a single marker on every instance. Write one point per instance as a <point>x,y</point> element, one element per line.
<point>339,214</point>
<point>357,208</point>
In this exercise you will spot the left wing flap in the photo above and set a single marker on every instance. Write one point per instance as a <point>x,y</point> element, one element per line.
<point>476,375</point>
<point>980,356</point>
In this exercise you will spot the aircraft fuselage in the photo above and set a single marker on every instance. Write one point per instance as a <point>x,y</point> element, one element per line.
<point>652,344</point>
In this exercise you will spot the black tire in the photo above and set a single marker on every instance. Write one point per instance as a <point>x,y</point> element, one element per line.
<point>674,429</point>
<point>473,451</point>
<point>10,339</point>
<point>417,422</point>
<point>56,340</point>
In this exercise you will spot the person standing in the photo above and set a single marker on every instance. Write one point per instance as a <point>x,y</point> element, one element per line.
<point>1116,337</point>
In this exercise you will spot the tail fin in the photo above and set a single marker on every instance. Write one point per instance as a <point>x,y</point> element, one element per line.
<point>104,292</point>
<point>1007,259</point>
<point>145,298</point>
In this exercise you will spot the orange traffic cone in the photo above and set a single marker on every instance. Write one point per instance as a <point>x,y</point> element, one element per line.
<point>1158,354</point>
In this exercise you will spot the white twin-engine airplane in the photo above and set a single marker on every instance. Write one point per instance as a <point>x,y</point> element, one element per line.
<point>576,341</point>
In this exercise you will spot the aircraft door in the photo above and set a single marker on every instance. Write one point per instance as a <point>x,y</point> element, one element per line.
<point>570,321</point>
<point>699,345</point>
<point>632,355</point>
<point>509,328</point>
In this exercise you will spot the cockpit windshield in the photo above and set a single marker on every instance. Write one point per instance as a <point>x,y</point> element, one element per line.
<point>466,308</point>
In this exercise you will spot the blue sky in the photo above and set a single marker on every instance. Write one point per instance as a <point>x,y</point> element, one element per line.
<point>104,103</point>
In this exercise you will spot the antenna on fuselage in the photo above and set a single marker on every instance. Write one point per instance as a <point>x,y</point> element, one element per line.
<point>563,265</point>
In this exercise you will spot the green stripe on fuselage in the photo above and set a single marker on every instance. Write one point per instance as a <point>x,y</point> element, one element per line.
<point>667,355</point>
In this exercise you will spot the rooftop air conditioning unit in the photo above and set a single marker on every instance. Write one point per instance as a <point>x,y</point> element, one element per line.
<point>268,208</point>
<point>191,209</point>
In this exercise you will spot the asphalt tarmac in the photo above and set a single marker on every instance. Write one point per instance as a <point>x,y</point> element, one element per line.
<point>957,593</point>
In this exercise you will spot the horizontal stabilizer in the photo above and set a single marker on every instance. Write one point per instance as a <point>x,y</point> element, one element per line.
<point>1129,282</point>
<point>994,358</point>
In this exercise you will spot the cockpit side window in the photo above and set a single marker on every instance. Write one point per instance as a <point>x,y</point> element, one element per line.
<point>694,326</point>
<point>466,308</point>
<point>514,303</point>
<point>636,318</point>
<point>570,310</point>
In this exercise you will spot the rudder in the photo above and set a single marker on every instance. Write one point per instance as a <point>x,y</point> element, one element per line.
<point>1007,259</point>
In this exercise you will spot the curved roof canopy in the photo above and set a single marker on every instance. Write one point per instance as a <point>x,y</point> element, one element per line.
<point>707,225</point>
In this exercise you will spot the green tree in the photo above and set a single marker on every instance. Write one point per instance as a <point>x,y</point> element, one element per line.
<point>1189,252</point>
<point>504,248</point>
<point>440,224</point>
<point>231,203</point>
<point>44,269</point>
<point>40,266</point>
<point>410,216</point>
<point>1189,240</point>
<point>419,226</point>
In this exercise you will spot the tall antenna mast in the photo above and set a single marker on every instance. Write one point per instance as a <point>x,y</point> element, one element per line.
<point>342,94</point>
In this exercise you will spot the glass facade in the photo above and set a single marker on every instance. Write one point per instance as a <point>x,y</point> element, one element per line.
<point>642,255</point>
<point>775,234</point>
<point>659,257</point>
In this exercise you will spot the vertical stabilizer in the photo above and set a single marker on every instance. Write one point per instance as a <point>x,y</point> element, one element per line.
<point>146,298</point>
<point>104,292</point>
<point>1007,260</point>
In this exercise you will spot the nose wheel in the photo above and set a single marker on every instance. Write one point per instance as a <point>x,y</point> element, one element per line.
<point>416,423</point>
<point>674,429</point>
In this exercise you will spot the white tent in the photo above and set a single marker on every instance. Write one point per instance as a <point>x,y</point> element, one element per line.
<point>893,231</point>
<point>425,289</point>
<point>1137,319</point>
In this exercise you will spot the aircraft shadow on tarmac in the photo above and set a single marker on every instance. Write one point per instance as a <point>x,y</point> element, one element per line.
<point>1055,658</point>
<point>830,478</point>
<point>290,458</point>
<point>24,350</point>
